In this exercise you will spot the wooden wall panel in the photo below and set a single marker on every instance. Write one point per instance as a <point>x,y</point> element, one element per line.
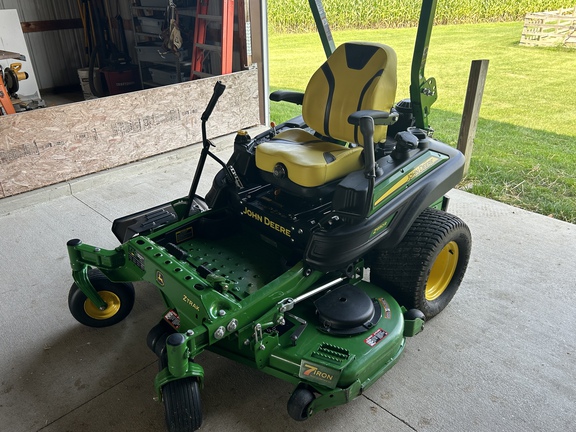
<point>52,145</point>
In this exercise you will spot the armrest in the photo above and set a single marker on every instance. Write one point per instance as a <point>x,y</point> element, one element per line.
<point>379,117</point>
<point>287,96</point>
<point>366,120</point>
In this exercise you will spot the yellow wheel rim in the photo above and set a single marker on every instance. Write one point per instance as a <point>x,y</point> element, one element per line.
<point>442,271</point>
<point>112,308</point>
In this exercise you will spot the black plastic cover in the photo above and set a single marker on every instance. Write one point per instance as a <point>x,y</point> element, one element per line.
<point>331,250</point>
<point>345,307</point>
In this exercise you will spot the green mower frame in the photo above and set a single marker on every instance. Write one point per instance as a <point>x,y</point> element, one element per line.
<point>279,282</point>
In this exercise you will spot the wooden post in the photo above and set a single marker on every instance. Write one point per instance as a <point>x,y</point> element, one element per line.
<point>476,81</point>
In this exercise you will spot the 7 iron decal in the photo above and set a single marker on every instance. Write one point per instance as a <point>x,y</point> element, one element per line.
<point>319,373</point>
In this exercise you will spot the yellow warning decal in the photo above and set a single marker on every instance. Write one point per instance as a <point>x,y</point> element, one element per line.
<point>408,177</point>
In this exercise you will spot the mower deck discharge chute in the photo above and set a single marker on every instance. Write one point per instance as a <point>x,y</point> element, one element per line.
<point>269,269</point>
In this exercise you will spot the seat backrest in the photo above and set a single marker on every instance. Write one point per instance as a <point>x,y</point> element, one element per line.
<point>357,76</point>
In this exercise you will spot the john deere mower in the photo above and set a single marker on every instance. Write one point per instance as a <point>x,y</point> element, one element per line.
<point>322,245</point>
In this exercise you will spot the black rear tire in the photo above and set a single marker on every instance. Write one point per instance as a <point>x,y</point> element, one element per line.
<point>425,270</point>
<point>182,405</point>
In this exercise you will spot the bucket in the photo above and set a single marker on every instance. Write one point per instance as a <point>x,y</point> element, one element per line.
<point>122,81</point>
<point>83,75</point>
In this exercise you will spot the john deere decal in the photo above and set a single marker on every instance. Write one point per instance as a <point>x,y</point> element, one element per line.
<point>159,278</point>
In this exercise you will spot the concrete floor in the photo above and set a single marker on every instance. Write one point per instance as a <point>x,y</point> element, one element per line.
<point>502,356</point>
<point>66,96</point>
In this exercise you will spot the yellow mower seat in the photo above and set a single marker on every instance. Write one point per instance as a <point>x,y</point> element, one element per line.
<point>357,76</point>
<point>309,161</point>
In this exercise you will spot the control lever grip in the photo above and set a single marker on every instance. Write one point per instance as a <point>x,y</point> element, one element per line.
<point>218,90</point>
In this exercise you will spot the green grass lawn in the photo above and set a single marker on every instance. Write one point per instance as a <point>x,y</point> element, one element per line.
<point>525,147</point>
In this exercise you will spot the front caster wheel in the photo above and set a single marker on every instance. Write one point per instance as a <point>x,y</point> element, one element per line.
<point>299,403</point>
<point>156,339</point>
<point>119,298</point>
<point>425,270</point>
<point>182,405</point>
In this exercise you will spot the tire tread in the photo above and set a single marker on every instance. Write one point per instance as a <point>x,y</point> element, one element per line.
<point>403,271</point>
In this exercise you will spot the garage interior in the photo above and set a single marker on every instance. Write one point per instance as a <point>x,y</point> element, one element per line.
<point>109,82</point>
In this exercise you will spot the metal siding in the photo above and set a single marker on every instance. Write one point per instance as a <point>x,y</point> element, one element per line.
<point>27,10</point>
<point>56,55</point>
<point>11,4</point>
<point>37,51</point>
